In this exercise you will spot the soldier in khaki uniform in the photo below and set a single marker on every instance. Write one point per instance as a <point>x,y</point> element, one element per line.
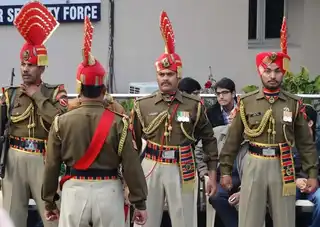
<point>170,122</point>
<point>92,141</point>
<point>34,105</point>
<point>273,121</point>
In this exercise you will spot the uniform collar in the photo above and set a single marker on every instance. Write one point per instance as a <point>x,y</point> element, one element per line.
<point>160,98</point>
<point>261,95</point>
<point>91,103</point>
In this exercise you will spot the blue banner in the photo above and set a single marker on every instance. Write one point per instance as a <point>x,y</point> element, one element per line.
<point>62,12</point>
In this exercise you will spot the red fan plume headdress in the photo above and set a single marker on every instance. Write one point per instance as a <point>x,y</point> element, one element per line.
<point>169,59</point>
<point>90,72</point>
<point>36,24</point>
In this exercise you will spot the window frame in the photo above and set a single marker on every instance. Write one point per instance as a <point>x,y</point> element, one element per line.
<point>261,41</point>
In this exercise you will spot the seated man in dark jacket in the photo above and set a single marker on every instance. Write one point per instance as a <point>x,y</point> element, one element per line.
<point>301,181</point>
<point>225,90</point>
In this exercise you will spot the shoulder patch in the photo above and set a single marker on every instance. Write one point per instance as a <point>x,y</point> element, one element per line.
<point>147,96</point>
<point>288,94</point>
<point>249,94</point>
<point>193,97</point>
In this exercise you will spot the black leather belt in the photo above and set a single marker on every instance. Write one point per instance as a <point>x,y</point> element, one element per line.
<point>94,173</point>
<point>162,154</point>
<point>264,151</point>
<point>27,144</point>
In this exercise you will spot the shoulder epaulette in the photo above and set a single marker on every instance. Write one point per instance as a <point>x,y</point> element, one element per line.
<point>119,114</point>
<point>295,97</point>
<point>108,98</point>
<point>52,86</point>
<point>193,97</point>
<point>10,88</point>
<point>249,94</point>
<point>147,96</point>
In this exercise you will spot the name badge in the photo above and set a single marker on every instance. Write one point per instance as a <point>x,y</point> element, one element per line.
<point>168,154</point>
<point>287,115</point>
<point>269,152</point>
<point>183,116</point>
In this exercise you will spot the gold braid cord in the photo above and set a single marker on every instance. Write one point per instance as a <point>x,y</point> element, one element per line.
<point>267,118</point>
<point>28,113</point>
<point>56,126</point>
<point>154,125</point>
<point>194,126</point>
<point>123,135</point>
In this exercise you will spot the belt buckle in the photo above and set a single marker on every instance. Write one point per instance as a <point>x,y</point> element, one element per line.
<point>31,145</point>
<point>168,154</point>
<point>268,151</point>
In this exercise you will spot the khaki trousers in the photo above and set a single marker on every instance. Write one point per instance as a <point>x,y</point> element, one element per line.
<point>24,173</point>
<point>96,202</point>
<point>163,180</point>
<point>261,185</point>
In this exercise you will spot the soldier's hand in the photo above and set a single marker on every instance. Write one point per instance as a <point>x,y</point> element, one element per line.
<point>52,215</point>
<point>126,196</point>
<point>140,217</point>
<point>211,187</point>
<point>226,182</point>
<point>29,90</point>
<point>312,185</point>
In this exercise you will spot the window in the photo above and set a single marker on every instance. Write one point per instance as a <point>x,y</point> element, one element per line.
<point>265,19</point>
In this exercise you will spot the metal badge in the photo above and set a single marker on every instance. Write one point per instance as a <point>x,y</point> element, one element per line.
<point>168,154</point>
<point>269,151</point>
<point>271,100</point>
<point>26,55</point>
<point>165,63</point>
<point>30,145</point>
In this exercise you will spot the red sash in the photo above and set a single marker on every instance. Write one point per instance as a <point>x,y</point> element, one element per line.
<point>126,211</point>
<point>99,137</point>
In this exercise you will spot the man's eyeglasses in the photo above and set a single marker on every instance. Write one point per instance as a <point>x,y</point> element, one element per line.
<point>223,93</point>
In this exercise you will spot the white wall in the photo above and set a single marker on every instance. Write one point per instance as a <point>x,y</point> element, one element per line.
<point>208,32</point>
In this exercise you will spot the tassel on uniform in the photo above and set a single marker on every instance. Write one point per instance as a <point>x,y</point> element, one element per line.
<point>289,189</point>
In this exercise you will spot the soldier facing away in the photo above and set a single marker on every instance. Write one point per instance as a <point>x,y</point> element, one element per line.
<point>273,121</point>
<point>92,141</point>
<point>32,108</point>
<point>171,121</point>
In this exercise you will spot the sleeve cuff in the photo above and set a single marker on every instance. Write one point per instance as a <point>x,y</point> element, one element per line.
<point>313,173</point>
<point>212,165</point>
<point>225,170</point>
<point>38,96</point>
<point>50,206</point>
<point>140,205</point>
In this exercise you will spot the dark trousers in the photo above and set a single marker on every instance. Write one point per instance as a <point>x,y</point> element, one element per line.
<point>227,213</point>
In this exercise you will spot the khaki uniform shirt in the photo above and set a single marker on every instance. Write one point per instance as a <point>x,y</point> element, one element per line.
<point>69,139</point>
<point>33,116</point>
<point>294,131</point>
<point>198,127</point>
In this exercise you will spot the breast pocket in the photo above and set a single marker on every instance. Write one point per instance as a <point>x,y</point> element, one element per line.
<point>17,109</point>
<point>254,121</point>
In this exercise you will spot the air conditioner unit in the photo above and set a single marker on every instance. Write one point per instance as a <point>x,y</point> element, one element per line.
<point>143,88</point>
